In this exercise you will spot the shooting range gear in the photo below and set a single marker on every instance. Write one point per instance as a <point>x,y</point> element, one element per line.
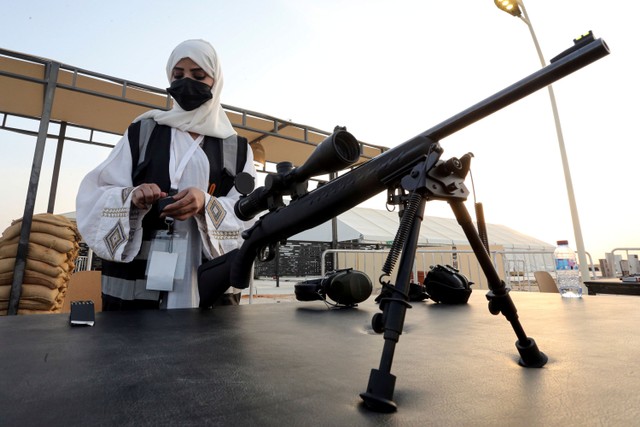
<point>346,287</point>
<point>189,93</point>
<point>414,167</point>
<point>446,285</point>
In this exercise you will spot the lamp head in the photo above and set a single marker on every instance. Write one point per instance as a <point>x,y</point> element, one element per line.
<point>509,6</point>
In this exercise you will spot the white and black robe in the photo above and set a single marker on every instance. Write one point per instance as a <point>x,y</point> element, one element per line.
<point>120,233</point>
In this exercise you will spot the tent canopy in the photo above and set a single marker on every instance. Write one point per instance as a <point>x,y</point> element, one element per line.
<point>368,225</point>
<point>108,104</point>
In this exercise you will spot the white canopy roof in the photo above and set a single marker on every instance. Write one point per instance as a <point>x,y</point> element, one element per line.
<point>380,226</point>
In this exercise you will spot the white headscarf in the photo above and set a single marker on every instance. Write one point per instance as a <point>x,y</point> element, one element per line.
<point>208,119</point>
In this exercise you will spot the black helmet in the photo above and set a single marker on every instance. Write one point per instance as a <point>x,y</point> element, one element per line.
<point>446,285</point>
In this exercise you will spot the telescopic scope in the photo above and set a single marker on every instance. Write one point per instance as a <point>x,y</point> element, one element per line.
<point>334,153</point>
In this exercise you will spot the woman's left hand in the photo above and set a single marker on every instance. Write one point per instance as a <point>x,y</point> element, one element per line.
<point>188,203</point>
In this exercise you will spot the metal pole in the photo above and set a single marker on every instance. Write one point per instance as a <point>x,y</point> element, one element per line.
<point>27,218</point>
<point>56,168</point>
<point>582,258</point>
<point>89,259</point>
<point>277,264</point>
<point>334,230</point>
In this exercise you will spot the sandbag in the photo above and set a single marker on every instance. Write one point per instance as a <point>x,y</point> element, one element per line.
<point>35,252</point>
<point>37,279</point>
<point>67,232</point>
<point>3,311</point>
<point>8,264</point>
<point>34,299</point>
<point>33,307</point>
<point>32,293</point>
<point>48,218</point>
<point>46,240</point>
<point>53,249</point>
<point>44,280</point>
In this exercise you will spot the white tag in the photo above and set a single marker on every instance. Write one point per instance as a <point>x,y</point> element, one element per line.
<point>162,268</point>
<point>180,247</point>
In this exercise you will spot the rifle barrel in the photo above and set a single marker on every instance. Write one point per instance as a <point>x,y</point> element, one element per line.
<point>545,76</point>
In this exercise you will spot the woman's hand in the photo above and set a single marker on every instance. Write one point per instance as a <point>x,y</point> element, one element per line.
<point>145,195</point>
<point>188,203</point>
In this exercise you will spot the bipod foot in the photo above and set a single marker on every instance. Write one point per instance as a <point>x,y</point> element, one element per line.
<point>530,355</point>
<point>380,392</point>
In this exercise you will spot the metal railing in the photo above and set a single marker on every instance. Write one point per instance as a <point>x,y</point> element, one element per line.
<point>81,263</point>
<point>516,268</point>
<point>624,265</point>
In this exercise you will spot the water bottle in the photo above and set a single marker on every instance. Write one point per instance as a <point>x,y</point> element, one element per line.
<point>567,271</point>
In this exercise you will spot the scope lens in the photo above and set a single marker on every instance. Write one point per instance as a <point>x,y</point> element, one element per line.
<point>347,146</point>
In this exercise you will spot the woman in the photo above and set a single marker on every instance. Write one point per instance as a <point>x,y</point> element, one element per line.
<point>188,153</point>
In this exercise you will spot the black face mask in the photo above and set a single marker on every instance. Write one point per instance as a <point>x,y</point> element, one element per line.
<point>189,93</point>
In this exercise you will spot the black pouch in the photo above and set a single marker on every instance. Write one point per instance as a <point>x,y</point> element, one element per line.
<point>447,285</point>
<point>416,293</point>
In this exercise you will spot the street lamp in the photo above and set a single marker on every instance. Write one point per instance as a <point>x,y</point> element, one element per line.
<point>517,9</point>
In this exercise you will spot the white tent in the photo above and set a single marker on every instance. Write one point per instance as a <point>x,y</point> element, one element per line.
<point>367,225</point>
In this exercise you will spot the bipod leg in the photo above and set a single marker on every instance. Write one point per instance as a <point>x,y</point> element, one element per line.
<point>499,299</point>
<point>379,394</point>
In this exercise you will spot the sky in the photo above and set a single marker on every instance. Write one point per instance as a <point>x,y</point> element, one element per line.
<point>387,70</point>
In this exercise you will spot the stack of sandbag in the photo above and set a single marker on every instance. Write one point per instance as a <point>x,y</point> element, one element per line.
<point>53,249</point>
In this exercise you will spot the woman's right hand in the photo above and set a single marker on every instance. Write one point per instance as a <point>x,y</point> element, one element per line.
<point>145,195</point>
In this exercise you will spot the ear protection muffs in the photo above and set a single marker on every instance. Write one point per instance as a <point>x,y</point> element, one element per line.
<point>349,287</point>
<point>309,290</point>
<point>346,287</point>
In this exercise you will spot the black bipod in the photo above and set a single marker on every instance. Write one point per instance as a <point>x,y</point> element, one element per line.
<point>498,296</point>
<point>433,179</point>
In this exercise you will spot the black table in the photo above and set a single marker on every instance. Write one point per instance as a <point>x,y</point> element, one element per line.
<point>301,364</point>
<point>612,286</point>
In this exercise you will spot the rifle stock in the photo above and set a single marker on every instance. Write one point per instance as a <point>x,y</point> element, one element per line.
<point>371,178</point>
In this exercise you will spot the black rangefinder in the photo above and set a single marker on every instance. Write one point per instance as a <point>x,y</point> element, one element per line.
<point>164,202</point>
